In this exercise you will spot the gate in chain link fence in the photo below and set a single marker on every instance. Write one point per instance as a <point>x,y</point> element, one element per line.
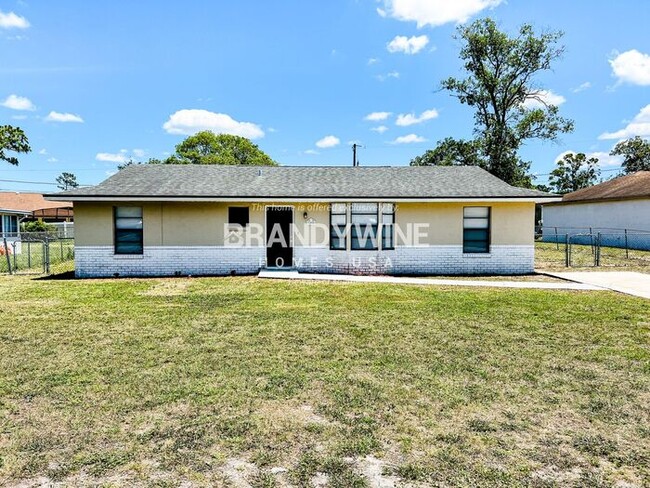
<point>592,247</point>
<point>36,253</point>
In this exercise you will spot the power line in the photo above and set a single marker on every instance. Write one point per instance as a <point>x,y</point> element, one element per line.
<point>34,182</point>
<point>31,182</point>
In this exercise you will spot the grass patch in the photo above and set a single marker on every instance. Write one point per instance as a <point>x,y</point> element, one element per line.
<point>552,256</point>
<point>158,381</point>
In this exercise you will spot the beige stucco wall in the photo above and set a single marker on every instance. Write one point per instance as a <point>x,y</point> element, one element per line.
<point>202,224</point>
<point>511,223</point>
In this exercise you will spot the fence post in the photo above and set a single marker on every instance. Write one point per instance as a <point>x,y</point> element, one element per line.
<point>627,250</point>
<point>13,244</point>
<point>4,241</point>
<point>597,254</point>
<point>46,253</point>
<point>567,251</point>
<point>557,243</point>
<point>29,255</point>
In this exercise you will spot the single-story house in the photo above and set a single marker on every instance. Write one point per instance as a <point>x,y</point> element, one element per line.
<point>9,222</point>
<point>17,207</point>
<point>150,220</point>
<point>618,210</point>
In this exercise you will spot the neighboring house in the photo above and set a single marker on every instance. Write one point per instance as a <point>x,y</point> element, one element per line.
<point>216,220</point>
<point>618,209</point>
<point>9,222</point>
<point>17,207</point>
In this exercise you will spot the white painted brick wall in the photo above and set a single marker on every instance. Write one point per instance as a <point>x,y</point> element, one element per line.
<point>421,260</point>
<point>99,261</point>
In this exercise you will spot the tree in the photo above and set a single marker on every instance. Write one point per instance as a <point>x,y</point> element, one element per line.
<point>574,171</point>
<point>209,148</point>
<point>509,108</point>
<point>12,139</point>
<point>451,152</point>
<point>636,154</point>
<point>66,181</point>
<point>130,162</point>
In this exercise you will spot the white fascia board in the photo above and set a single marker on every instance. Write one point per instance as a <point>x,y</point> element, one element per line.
<point>311,200</point>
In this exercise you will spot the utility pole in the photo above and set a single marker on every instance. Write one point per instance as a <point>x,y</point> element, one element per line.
<point>355,162</point>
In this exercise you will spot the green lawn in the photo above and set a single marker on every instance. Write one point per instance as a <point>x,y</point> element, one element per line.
<point>217,381</point>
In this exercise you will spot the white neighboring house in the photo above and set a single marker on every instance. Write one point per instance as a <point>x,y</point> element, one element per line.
<point>9,226</point>
<point>615,207</point>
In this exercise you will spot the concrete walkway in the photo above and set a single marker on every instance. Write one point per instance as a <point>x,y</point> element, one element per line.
<point>629,282</point>
<point>294,275</point>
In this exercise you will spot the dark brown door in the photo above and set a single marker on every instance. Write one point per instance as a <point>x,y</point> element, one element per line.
<point>279,253</point>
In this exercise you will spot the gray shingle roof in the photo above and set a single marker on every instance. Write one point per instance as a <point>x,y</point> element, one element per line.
<point>215,181</point>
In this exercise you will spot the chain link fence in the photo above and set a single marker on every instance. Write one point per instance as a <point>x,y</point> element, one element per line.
<point>586,247</point>
<point>36,253</point>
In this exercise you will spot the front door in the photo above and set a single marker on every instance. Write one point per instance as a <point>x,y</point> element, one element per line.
<point>279,221</point>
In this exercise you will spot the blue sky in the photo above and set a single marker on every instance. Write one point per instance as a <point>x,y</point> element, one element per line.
<point>93,83</point>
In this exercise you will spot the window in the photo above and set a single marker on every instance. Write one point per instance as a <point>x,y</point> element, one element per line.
<point>9,224</point>
<point>338,224</point>
<point>476,229</point>
<point>387,226</point>
<point>238,216</point>
<point>364,217</point>
<point>128,230</point>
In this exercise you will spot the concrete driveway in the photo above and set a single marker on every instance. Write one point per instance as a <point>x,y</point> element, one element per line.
<point>629,282</point>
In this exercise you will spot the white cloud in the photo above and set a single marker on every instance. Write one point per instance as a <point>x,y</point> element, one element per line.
<point>640,126</point>
<point>63,117</point>
<point>409,139</point>
<point>377,116</point>
<point>311,152</point>
<point>584,86</point>
<point>42,151</point>
<point>191,121</point>
<point>372,61</point>
<point>404,120</point>
<point>631,67</point>
<point>435,12</point>
<point>12,21</point>
<point>381,129</point>
<point>120,157</point>
<point>15,102</point>
<point>542,99</point>
<point>271,129</point>
<point>392,74</point>
<point>604,159</point>
<point>19,117</point>
<point>407,45</point>
<point>328,141</point>
<point>52,160</point>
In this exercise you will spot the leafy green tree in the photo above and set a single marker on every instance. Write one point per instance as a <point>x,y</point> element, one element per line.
<point>451,152</point>
<point>66,181</point>
<point>501,78</point>
<point>574,172</point>
<point>636,154</point>
<point>36,226</point>
<point>209,148</point>
<point>12,139</point>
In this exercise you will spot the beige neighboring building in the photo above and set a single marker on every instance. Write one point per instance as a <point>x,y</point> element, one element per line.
<point>165,220</point>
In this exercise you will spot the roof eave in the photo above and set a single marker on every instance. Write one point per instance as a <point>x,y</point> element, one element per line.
<point>194,198</point>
